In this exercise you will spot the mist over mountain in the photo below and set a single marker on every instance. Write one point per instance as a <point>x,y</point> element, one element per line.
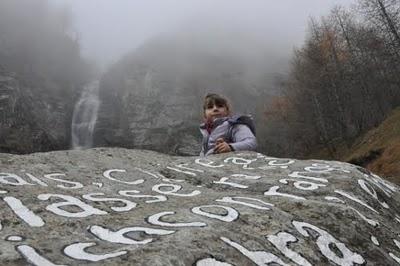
<point>41,74</point>
<point>109,29</point>
<point>152,98</point>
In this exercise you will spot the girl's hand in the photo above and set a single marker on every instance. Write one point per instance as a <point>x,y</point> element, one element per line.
<point>221,146</point>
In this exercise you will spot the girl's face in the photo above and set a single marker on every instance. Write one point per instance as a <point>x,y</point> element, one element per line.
<point>215,110</point>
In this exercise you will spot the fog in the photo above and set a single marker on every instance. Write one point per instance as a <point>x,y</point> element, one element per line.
<point>109,29</point>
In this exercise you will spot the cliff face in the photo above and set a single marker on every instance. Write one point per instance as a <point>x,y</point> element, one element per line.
<point>41,73</point>
<point>132,207</point>
<point>142,109</point>
<point>152,98</point>
<point>34,117</point>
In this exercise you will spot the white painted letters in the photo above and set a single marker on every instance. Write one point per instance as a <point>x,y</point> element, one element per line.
<point>297,174</point>
<point>55,208</point>
<point>155,219</point>
<point>13,180</point>
<point>128,193</point>
<point>273,191</point>
<point>23,212</point>
<point>175,188</point>
<point>74,185</point>
<point>281,241</point>
<point>255,206</point>
<point>129,205</point>
<point>371,191</point>
<point>324,242</point>
<point>33,257</point>
<point>231,215</point>
<point>261,258</point>
<point>107,174</point>
<point>120,238</point>
<point>223,181</point>
<point>77,251</point>
<point>207,163</point>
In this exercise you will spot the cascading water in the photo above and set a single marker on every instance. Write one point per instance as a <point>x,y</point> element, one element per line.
<point>85,116</point>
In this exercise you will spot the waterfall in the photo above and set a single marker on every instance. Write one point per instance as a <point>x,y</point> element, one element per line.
<point>85,116</point>
<point>148,84</point>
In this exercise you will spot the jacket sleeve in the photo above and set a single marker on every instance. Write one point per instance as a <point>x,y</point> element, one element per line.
<point>243,139</point>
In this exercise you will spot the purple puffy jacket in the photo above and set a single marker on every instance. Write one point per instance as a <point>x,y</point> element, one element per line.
<point>238,136</point>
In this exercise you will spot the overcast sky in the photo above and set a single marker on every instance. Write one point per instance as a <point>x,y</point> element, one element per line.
<point>110,28</point>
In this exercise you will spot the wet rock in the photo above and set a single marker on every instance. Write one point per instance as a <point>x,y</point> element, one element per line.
<point>139,207</point>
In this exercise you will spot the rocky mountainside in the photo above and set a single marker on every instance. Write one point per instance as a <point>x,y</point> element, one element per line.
<point>41,75</point>
<point>34,117</point>
<point>152,98</point>
<point>137,114</point>
<point>131,207</point>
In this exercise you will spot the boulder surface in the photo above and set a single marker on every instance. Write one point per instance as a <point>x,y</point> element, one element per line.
<point>109,206</point>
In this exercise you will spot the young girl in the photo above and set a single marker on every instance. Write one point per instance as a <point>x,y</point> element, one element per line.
<point>223,132</point>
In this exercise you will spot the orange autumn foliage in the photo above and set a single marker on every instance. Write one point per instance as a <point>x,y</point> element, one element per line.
<point>279,107</point>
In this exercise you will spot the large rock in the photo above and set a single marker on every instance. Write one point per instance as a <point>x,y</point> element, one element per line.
<point>132,207</point>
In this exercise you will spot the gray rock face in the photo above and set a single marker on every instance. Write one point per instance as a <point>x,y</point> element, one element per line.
<point>157,122</point>
<point>152,99</point>
<point>133,207</point>
<point>34,118</point>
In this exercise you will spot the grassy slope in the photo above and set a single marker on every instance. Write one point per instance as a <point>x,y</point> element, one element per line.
<point>379,149</point>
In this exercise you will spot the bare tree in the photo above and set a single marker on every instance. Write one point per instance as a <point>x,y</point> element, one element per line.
<point>345,78</point>
<point>384,14</point>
